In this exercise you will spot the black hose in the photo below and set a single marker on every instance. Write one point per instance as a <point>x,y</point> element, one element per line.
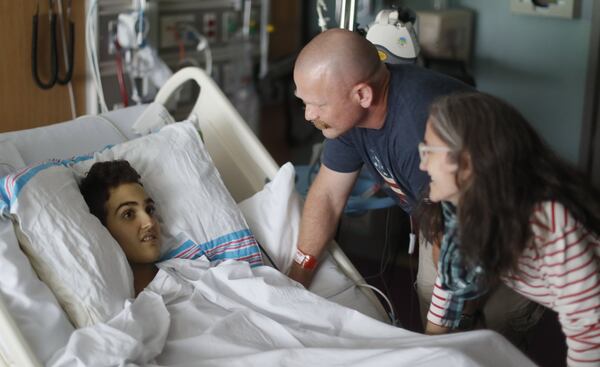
<point>53,55</point>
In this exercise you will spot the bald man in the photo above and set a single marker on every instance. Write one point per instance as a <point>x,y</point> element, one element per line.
<point>373,114</point>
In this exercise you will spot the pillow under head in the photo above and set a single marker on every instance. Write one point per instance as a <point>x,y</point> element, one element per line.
<point>67,246</point>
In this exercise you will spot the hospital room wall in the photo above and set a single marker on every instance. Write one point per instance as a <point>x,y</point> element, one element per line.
<point>22,104</point>
<point>536,63</point>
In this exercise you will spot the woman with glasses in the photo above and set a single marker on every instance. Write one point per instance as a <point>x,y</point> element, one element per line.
<point>511,212</point>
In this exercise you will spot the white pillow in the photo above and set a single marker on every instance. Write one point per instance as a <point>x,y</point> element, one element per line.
<point>198,216</point>
<point>29,301</point>
<point>10,159</point>
<point>68,247</point>
<point>273,215</point>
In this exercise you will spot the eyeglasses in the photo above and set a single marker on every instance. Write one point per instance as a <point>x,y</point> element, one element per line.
<point>424,150</point>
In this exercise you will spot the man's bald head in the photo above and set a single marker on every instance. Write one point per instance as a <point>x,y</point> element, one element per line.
<point>346,55</point>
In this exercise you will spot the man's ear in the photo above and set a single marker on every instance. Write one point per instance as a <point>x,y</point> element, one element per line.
<point>362,93</point>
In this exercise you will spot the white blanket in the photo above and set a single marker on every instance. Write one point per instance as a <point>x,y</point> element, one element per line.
<point>231,315</point>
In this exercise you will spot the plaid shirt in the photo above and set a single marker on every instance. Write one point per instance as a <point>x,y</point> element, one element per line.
<point>460,282</point>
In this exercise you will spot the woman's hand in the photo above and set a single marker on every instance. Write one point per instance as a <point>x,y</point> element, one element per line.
<point>433,329</point>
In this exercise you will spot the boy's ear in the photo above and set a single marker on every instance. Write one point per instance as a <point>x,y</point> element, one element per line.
<point>362,93</point>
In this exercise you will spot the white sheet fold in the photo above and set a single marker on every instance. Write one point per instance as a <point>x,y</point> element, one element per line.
<point>232,315</point>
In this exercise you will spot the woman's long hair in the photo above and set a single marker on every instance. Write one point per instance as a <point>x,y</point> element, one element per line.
<point>512,170</point>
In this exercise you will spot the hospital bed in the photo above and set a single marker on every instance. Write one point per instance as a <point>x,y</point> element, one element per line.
<point>244,165</point>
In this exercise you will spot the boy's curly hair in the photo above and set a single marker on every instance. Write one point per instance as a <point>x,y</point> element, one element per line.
<point>101,178</point>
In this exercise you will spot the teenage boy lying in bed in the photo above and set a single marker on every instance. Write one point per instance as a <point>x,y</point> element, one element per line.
<point>115,195</point>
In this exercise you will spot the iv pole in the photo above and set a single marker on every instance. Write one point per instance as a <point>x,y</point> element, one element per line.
<point>348,14</point>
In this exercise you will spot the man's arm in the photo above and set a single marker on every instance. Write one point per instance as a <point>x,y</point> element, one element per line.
<point>322,210</point>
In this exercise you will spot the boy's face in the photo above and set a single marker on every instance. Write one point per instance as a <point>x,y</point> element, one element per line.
<point>131,220</point>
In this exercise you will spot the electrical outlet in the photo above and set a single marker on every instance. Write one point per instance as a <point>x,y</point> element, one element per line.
<point>209,26</point>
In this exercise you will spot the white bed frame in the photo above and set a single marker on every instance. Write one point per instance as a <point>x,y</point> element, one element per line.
<point>244,164</point>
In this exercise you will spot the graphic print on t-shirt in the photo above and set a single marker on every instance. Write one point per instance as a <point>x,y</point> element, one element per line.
<point>387,177</point>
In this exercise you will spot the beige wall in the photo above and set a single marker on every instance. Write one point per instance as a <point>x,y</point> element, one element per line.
<point>22,104</point>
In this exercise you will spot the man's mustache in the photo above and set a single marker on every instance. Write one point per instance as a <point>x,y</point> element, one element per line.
<point>320,124</point>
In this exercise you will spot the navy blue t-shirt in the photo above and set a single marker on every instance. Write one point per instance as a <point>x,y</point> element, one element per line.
<point>391,153</point>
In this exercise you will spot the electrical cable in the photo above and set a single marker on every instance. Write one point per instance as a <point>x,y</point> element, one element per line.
<point>412,278</point>
<point>208,62</point>
<point>68,56</point>
<point>392,314</point>
<point>140,36</point>
<point>267,255</point>
<point>90,42</point>
<point>53,56</point>
<point>246,17</point>
<point>69,53</point>
<point>202,46</point>
<point>384,258</point>
<point>68,49</point>
<point>386,246</point>
<point>121,74</point>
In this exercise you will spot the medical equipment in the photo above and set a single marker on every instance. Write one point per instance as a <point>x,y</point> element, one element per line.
<point>348,14</point>
<point>394,36</point>
<point>54,54</point>
<point>392,32</point>
<point>186,31</point>
<point>123,64</point>
<point>321,7</point>
<point>142,63</point>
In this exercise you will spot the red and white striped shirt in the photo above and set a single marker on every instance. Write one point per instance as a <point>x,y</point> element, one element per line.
<point>559,269</point>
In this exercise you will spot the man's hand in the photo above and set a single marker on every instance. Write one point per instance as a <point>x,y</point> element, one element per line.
<point>301,275</point>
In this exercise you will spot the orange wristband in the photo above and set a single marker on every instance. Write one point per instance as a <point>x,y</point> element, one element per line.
<point>305,261</point>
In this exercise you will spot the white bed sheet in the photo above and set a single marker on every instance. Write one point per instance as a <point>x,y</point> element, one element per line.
<point>232,315</point>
